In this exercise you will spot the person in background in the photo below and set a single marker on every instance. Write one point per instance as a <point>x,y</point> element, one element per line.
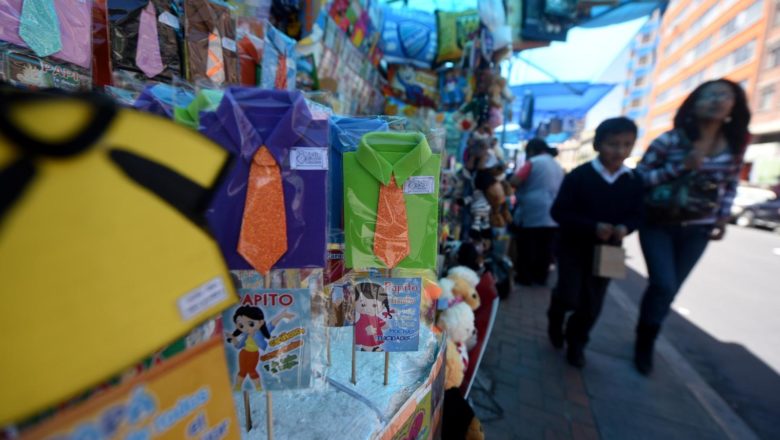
<point>709,139</point>
<point>600,202</point>
<point>537,184</point>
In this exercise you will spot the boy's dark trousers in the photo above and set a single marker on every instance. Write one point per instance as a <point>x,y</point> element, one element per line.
<point>578,290</point>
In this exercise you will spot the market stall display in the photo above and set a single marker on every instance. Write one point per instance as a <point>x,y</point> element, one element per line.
<point>219,233</point>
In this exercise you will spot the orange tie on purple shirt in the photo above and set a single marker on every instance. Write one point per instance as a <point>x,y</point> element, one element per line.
<point>263,238</point>
<point>391,237</point>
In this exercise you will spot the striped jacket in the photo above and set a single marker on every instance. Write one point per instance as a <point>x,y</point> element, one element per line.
<point>664,161</point>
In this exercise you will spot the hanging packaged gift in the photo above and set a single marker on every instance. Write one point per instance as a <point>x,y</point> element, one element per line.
<point>271,210</point>
<point>391,188</point>
<point>145,37</point>
<point>210,34</point>
<point>61,29</point>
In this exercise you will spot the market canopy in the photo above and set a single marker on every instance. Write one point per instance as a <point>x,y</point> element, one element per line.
<point>626,10</point>
<point>568,101</point>
<point>571,99</point>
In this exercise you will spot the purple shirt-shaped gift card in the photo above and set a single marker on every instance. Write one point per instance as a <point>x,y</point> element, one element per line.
<point>247,119</point>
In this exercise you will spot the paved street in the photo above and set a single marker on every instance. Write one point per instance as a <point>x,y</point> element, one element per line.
<point>726,322</point>
<point>716,374</point>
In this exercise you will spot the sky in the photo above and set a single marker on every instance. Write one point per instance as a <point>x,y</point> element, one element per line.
<point>584,56</point>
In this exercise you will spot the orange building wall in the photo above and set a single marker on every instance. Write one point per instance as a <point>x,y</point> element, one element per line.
<point>767,120</point>
<point>717,50</point>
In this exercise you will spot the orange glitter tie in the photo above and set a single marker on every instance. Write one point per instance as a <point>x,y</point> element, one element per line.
<point>263,238</point>
<point>391,239</point>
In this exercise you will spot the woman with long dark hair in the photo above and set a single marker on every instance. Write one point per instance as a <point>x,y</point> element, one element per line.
<point>701,158</point>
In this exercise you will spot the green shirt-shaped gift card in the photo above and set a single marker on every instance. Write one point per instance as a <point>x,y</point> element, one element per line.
<point>391,202</point>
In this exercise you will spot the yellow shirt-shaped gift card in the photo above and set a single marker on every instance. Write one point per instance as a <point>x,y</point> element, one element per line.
<point>103,252</point>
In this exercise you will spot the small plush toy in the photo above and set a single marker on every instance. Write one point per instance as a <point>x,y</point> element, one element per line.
<point>458,322</point>
<point>465,285</point>
<point>447,298</point>
<point>432,291</point>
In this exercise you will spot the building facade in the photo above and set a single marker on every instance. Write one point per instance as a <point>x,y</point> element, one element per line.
<point>638,83</point>
<point>701,40</point>
<point>763,156</point>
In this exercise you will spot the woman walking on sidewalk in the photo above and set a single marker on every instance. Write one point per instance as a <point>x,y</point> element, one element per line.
<point>691,175</point>
<point>537,183</point>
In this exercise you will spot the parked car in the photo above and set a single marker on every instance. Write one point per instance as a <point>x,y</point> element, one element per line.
<point>749,196</point>
<point>763,215</point>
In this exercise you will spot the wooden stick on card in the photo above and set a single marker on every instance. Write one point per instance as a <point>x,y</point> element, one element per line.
<point>269,415</point>
<point>354,360</point>
<point>269,410</point>
<point>388,273</point>
<point>247,411</point>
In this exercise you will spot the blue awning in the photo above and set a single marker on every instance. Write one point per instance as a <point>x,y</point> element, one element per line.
<point>572,99</point>
<point>625,11</point>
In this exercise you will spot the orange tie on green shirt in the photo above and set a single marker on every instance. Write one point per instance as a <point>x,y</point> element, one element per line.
<point>263,238</point>
<point>391,238</point>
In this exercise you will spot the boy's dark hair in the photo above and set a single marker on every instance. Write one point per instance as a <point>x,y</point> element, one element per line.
<point>611,127</point>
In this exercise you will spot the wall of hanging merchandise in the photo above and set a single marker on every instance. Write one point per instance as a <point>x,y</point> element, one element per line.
<point>336,315</point>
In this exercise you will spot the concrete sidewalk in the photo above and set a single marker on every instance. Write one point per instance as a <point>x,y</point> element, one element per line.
<point>542,397</point>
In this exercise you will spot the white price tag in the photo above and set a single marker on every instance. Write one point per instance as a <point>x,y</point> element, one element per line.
<point>202,298</point>
<point>229,44</point>
<point>169,19</point>
<point>308,158</point>
<point>420,185</point>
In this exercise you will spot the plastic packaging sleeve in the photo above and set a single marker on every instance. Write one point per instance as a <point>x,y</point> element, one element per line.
<point>361,199</point>
<point>161,99</point>
<point>75,19</point>
<point>310,349</point>
<point>278,53</point>
<point>201,17</point>
<point>345,134</point>
<point>246,119</point>
<point>124,18</point>
<point>21,67</point>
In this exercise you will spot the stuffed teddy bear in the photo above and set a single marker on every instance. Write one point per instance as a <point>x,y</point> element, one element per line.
<point>458,322</point>
<point>465,285</point>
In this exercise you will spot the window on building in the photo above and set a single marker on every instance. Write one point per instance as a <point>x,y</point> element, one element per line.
<point>744,53</point>
<point>728,29</point>
<point>640,81</point>
<point>754,11</point>
<point>767,98</point>
<point>702,48</point>
<point>646,38</point>
<point>773,57</point>
<point>776,18</point>
<point>636,102</point>
<point>644,59</point>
